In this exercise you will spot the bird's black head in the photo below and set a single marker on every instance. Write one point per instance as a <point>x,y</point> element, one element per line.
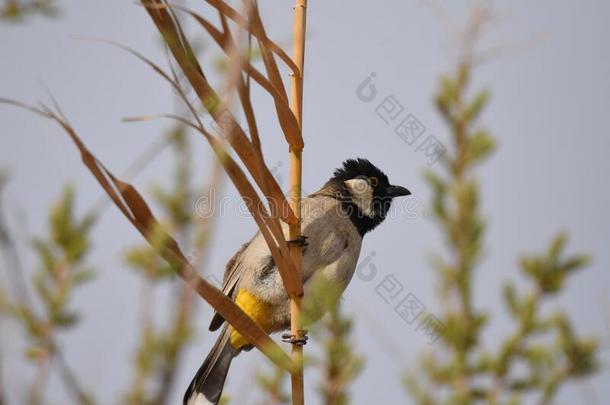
<point>365,191</point>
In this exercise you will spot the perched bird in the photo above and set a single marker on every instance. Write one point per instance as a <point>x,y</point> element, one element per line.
<point>353,202</point>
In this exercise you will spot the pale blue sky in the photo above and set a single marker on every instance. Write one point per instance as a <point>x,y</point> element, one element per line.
<point>549,112</point>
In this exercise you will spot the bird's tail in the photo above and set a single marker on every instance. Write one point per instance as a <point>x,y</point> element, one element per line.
<point>207,384</point>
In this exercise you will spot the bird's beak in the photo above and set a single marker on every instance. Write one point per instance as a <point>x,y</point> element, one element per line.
<point>397,191</point>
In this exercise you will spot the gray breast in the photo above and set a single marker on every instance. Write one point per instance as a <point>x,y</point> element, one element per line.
<point>332,237</point>
<point>333,247</point>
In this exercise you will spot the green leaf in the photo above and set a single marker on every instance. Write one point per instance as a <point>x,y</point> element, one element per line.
<point>476,106</point>
<point>4,304</point>
<point>60,219</point>
<point>480,145</point>
<point>65,319</point>
<point>4,178</point>
<point>575,263</point>
<point>36,353</point>
<point>45,254</point>
<point>83,276</point>
<point>557,245</point>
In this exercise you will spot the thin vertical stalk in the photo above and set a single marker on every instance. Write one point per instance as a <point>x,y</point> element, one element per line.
<point>296,162</point>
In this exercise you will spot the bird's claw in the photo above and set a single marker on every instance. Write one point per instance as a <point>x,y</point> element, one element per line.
<point>301,240</point>
<point>299,339</point>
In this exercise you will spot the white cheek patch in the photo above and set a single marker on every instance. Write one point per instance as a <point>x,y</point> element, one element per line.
<point>362,194</point>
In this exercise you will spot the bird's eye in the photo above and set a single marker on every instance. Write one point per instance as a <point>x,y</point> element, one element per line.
<point>374,181</point>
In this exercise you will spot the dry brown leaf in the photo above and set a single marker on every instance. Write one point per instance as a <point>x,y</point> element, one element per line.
<point>267,223</point>
<point>169,28</point>
<point>136,210</point>
<point>276,90</point>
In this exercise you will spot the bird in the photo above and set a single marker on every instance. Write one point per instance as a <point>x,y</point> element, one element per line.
<point>353,202</point>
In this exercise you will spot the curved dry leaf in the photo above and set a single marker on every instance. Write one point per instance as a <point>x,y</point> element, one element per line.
<point>268,226</point>
<point>136,210</point>
<point>225,9</point>
<point>183,54</point>
<point>288,122</point>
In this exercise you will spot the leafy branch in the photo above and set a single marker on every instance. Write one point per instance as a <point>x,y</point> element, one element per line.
<point>469,372</point>
<point>18,10</point>
<point>62,269</point>
<point>229,134</point>
<point>159,350</point>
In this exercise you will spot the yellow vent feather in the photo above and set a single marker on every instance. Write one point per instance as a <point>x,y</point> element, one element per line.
<point>256,309</point>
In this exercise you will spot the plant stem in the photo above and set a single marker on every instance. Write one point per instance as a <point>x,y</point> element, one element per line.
<point>71,381</point>
<point>296,105</point>
<point>182,323</point>
<point>40,381</point>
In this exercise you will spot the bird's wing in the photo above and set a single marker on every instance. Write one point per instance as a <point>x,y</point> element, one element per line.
<point>232,275</point>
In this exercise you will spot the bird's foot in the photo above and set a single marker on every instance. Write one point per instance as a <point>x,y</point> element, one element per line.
<point>299,339</point>
<point>301,240</point>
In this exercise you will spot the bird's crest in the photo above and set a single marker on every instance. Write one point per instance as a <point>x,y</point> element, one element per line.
<point>353,168</point>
